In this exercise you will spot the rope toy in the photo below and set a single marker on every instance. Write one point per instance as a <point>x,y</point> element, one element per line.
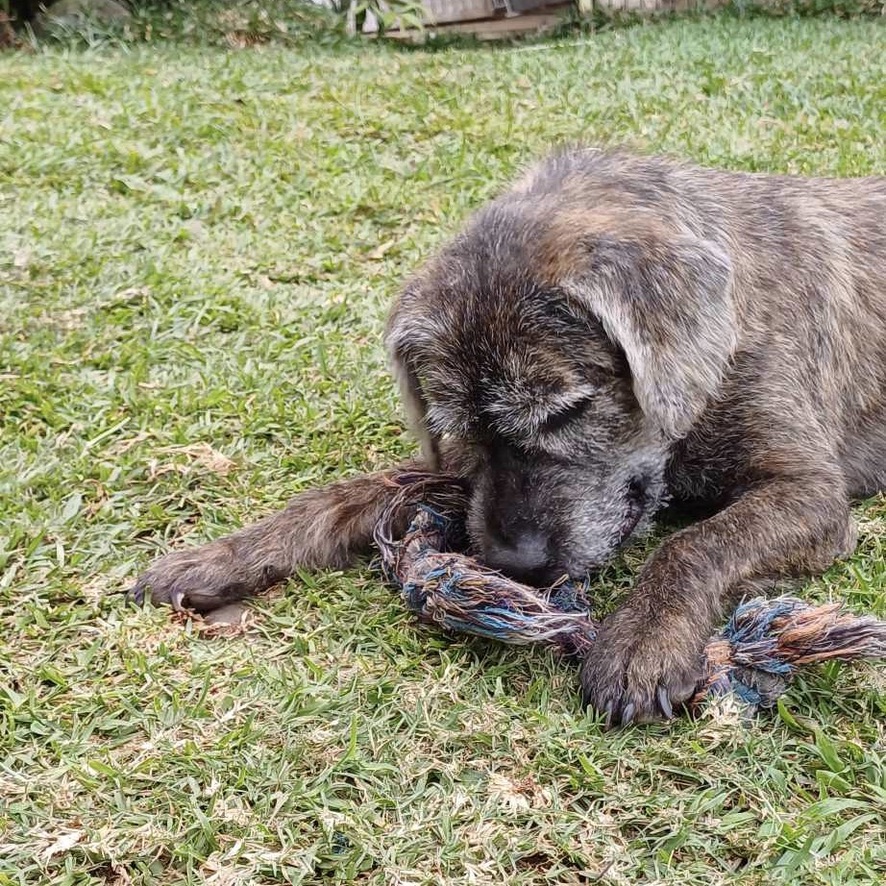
<point>421,538</point>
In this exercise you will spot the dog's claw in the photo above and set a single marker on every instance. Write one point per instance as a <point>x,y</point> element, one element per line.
<point>627,715</point>
<point>177,600</point>
<point>137,594</point>
<point>665,703</point>
<point>609,712</point>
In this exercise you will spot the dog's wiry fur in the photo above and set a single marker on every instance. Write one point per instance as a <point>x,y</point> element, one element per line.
<point>614,332</point>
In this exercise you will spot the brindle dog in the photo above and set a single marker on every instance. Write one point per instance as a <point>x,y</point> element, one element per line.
<point>613,333</point>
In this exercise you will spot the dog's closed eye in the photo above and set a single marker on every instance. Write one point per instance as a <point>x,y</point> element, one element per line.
<point>564,417</point>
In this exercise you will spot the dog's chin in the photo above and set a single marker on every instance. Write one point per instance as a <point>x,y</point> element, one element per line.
<point>637,522</point>
<point>629,524</point>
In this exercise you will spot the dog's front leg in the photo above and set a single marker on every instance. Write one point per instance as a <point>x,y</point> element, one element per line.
<point>326,527</point>
<point>648,655</point>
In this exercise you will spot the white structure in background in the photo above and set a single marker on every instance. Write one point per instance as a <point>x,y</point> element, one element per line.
<point>485,18</point>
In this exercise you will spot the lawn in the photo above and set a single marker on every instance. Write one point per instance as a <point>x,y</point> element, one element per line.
<point>197,248</point>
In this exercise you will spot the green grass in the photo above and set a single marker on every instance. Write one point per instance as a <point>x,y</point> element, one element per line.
<point>197,249</point>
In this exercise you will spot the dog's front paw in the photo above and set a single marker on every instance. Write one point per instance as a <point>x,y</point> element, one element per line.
<point>202,578</point>
<point>639,672</point>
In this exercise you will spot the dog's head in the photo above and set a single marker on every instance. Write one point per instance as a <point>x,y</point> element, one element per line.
<point>561,351</point>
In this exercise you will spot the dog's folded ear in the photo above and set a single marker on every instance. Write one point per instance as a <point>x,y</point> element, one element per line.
<point>666,301</point>
<point>416,410</point>
<point>398,343</point>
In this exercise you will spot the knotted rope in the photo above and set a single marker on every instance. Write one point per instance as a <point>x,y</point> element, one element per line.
<point>754,656</point>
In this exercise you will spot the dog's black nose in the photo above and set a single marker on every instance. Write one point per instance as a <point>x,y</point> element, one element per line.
<point>523,556</point>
